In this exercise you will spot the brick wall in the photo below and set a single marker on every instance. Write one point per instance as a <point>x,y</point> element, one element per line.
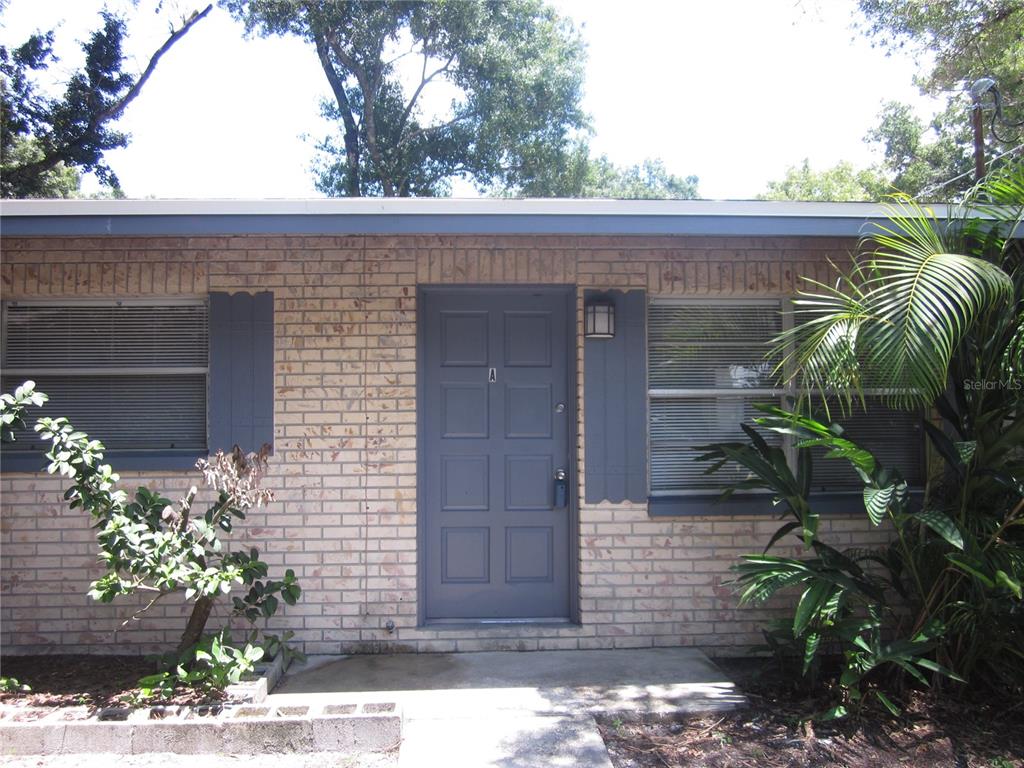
<point>345,422</point>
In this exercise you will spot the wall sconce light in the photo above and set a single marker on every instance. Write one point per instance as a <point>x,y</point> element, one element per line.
<point>599,318</point>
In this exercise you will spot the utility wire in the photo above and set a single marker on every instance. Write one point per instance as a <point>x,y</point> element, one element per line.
<point>937,187</point>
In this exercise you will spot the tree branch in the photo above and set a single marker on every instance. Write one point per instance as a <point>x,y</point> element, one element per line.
<point>424,79</point>
<point>55,156</point>
<point>115,111</point>
<point>135,616</point>
<point>351,129</point>
<point>369,101</point>
<point>429,129</point>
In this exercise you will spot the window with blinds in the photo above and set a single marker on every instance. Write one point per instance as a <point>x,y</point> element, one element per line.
<point>132,374</point>
<point>706,370</point>
<point>895,437</point>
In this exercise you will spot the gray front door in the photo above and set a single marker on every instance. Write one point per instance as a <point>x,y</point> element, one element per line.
<point>496,422</point>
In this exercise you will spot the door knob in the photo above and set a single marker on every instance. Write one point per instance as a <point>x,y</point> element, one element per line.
<point>560,474</point>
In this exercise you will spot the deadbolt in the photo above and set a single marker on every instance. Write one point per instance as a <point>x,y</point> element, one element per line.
<point>560,408</point>
<point>560,474</point>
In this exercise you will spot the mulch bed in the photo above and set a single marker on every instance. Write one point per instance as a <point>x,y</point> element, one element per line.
<point>94,682</point>
<point>775,731</point>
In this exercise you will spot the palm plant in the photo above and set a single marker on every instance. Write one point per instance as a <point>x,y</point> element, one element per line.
<point>932,314</point>
<point>915,292</point>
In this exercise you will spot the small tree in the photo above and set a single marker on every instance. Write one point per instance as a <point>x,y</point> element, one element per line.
<point>153,546</point>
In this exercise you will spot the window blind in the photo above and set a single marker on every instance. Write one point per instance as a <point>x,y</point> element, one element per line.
<point>895,437</point>
<point>47,337</point>
<point>130,374</point>
<point>707,367</point>
<point>718,347</point>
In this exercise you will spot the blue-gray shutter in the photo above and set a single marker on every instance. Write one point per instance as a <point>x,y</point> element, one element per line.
<point>615,404</point>
<point>241,405</point>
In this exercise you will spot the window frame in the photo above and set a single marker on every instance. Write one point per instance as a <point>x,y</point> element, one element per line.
<point>150,458</point>
<point>687,501</point>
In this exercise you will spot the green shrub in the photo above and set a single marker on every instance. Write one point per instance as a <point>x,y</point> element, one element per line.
<point>848,600</point>
<point>153,546</point>
<point>933,314</point>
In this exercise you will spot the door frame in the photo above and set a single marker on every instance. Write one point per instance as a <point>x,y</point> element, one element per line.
<point>569,293</point>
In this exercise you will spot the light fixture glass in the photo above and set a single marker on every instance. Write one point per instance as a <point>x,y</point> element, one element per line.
<point>599,319</point>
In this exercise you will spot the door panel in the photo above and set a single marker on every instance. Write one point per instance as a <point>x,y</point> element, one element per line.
<point>495,370</point>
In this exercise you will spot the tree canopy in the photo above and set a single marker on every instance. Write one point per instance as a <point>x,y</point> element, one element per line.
<point>841,182</point>
<point>966,40</point>
<point>580,174</point>
<point>45,142</point>
<point>426,92</point>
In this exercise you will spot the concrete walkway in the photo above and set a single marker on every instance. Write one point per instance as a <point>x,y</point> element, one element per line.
<point>515,710</point>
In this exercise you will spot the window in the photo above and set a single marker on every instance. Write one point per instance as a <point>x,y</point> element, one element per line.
<point>132,373</point>
<point>707,369</point>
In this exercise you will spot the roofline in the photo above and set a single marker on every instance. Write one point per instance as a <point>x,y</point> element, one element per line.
<point>352,216</point>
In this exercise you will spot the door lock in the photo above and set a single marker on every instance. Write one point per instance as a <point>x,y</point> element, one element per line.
<point>561,490</point>
<point>560,408</point>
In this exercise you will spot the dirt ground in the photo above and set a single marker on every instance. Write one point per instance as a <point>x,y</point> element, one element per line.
<point>70,680</point>
<point>774,732</point>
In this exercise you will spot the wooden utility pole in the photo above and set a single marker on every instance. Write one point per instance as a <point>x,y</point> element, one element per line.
<point>979,142</point>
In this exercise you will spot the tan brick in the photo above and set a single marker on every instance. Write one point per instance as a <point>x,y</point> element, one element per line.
<point>345,469</point>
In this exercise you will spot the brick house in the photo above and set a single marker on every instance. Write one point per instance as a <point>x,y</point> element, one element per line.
<point>458,465</point>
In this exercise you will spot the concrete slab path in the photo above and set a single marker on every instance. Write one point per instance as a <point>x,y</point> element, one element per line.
<point>514,709</point>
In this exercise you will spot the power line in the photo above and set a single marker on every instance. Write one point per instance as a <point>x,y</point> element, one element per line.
<point>937,187</point>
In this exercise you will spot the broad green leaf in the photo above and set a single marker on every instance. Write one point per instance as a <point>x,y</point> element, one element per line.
<point>939,669</point>
<point>877,501</point>
<point>971,570</point>
<point>782,531</point>
<point>807,608</point>
<point>835,713</point>
<point>943,525</point>
<point>946,447</point>
<point>893,709</point>
<point>810,649</point>
<point>965,450</point>
<point>1012,584</point>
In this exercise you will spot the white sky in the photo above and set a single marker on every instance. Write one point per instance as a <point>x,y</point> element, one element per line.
<point>734,91</point>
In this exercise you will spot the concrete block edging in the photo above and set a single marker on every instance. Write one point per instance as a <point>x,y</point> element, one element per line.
<point>247,729</point>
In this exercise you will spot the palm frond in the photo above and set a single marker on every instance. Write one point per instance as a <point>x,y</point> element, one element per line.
<point>897,317</point>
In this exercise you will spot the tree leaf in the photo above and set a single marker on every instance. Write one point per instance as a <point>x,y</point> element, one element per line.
<point>835,713</point>
<point>810,649</point>
<point>965,449</point>
<point>877,501</point>
<point>972,570</point>
<point>810,601</point>
<point>1012,584</point>
<point>893,709</point>
<point>782,531</point>
<point>946,447</point>
<point>942,525</point>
